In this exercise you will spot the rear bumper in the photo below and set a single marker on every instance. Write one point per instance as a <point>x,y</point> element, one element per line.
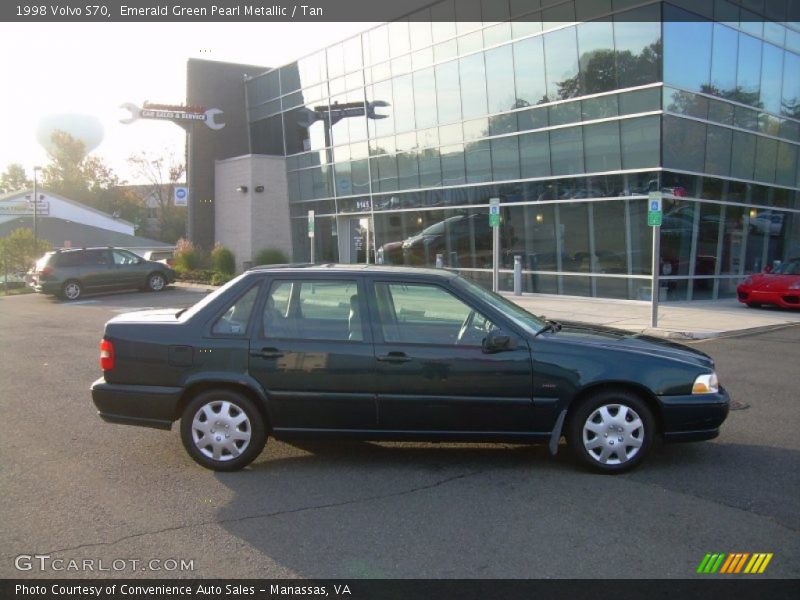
<point>143,405</point>
<point>694,417</point>
<point>46,287</point>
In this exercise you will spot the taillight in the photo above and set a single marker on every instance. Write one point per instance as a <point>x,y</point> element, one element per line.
<point>46,271</point>
<point>106,355</point>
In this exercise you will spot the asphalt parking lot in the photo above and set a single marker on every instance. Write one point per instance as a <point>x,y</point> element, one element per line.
<point>77,488</point>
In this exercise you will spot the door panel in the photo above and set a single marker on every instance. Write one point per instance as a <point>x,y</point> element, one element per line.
<point>97,270</point>
<point>313,354</point>
<point>432,373</point>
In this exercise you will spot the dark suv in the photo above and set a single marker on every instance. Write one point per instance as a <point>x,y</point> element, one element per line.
<point>396,353</point>
<point>70,273</point>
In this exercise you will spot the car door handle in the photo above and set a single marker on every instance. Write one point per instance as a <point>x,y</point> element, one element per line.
<point>267,353</point>
<point>394,357</point>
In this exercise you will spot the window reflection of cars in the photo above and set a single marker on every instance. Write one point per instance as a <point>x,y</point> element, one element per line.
<point>464,234</point>
<point>764,222</point>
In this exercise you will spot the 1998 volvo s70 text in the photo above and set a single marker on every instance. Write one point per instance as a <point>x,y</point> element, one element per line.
<point>394,353</point>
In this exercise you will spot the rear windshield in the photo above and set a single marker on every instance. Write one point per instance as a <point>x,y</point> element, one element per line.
<point>42,262</point>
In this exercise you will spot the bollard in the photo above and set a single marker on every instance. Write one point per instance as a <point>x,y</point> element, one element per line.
<point>517,275</point>
<point>439,261</point>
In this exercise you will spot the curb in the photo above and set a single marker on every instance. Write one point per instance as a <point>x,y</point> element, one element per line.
<point>710,335</point>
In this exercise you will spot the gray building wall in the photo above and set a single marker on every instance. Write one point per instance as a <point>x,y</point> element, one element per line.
<point>213,85</point>
<point>248,222</point>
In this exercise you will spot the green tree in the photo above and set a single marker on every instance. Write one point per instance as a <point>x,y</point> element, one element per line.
<point>14,179</point>
<point>18,252</point>
<point>78,176</point>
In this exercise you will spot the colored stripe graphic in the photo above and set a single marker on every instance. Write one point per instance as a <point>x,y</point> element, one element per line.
<point>734,563</point>
<point>711,563</point>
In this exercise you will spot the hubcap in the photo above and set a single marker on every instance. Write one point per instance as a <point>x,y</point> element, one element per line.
<point>221,430</point>
<point>72,291</point>
<point>156,282</point>
<point>613,434</point>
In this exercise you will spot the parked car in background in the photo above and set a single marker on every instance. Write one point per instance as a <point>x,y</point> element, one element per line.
<point>163,256</point>
<point>70,274</point>
<point>396,353</point>
<point>779,286</point>
<point>765,222</point>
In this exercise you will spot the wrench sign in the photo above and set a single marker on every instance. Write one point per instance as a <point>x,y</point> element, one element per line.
<point>208,117</point>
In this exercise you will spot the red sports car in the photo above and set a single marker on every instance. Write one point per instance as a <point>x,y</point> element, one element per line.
<point>780,286</point>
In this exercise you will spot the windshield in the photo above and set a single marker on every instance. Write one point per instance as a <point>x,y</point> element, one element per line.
<point>790,267</point>
<point>528,321</point>
<point>196,308</point>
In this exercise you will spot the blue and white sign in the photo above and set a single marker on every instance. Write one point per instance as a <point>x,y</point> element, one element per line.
<point>181,196</point>
<point>655,201</point>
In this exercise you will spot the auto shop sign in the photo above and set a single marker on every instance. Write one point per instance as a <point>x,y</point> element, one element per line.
<point>19,208</point>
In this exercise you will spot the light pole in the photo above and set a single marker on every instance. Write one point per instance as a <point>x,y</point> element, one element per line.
<point>35,211</point>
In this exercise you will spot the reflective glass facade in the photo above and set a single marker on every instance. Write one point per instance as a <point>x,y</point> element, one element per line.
<point>569,113</point>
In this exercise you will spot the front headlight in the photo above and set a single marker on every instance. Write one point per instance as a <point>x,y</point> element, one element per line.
<point>706,384</point>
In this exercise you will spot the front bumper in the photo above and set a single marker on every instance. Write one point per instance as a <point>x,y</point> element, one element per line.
<point>693,417</point>
<point>143,405</point>
<point>782,298</point>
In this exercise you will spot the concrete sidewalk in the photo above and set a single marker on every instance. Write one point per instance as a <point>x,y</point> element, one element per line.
<point>698,319</point>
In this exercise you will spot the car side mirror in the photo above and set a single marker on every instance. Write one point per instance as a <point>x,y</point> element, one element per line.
<point>498,341</point>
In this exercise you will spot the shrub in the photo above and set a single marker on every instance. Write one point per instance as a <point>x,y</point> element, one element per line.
<point>270,256</point>
<point>220,278</point>
<point>196,275</point>
<point>188,257</point>
<point>222,260</point>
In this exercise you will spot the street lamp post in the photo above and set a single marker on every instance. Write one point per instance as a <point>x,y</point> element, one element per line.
<point>35,211</point>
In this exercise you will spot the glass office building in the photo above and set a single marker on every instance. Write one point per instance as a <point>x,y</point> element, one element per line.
<point>570,113</point>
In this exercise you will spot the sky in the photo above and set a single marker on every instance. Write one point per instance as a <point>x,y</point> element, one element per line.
<point>92,68</point>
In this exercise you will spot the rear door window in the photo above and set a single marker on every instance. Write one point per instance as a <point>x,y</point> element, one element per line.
<point>234,320</point>
<point>313,310</point>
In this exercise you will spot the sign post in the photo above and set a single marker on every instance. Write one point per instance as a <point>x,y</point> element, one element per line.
<point>494,223</point>
<point>311,233</point>
<point>654,218</point>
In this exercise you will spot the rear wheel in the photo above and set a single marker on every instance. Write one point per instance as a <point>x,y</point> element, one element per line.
<point>156,282</point>
<point>71,290</point>
<point>611,431</point>
<point>222,430</point>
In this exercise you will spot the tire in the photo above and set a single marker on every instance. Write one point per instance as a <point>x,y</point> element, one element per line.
<point>71,290</point>
<point>156,282</point>
<point>209,422</point>
<point>753,305</point>
<point>595,430</point>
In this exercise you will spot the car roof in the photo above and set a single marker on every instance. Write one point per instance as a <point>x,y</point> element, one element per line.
<point>356,270</point>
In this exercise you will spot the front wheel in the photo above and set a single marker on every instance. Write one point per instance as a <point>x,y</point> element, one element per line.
<point>156,282</point>
<point>222,430</point>
<point>612,431</point>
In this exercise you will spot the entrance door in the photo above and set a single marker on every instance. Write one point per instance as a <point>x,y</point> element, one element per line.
<point>355,240</point>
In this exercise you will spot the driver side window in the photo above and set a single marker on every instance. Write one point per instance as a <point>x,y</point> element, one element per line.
<point>428,314</point>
